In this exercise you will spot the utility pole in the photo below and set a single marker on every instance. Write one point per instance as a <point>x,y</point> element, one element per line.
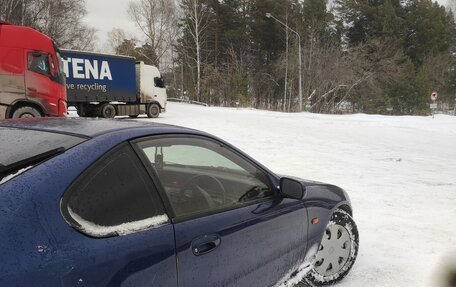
<point>182,79</point>
<point>285,89</point>
<point>269,15</point>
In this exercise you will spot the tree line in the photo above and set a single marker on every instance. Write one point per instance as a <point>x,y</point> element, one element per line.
<point>372,56</point>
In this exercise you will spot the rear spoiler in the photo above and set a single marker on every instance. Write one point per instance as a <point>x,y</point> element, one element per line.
<point>4,23</point>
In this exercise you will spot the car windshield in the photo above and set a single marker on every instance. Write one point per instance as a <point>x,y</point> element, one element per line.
<point>23,148</point>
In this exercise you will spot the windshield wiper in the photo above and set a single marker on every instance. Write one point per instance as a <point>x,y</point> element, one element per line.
<point>8,169</point>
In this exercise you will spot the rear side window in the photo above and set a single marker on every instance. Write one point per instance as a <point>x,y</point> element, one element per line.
<point>115,196</point>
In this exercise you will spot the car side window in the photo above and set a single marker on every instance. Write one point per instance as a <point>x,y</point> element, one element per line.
<point>39,63</point>
<point>114,196</point>
<point>200,175</point>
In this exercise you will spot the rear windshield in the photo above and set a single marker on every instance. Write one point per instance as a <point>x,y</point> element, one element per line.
<point>19,145</point>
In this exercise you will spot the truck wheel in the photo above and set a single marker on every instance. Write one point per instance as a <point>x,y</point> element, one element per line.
<point>153,110</point>
<point>108,111</point>
<point>26,112</point>
<point>81,112</point>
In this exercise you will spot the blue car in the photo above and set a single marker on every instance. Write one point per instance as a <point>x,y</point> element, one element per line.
<point>87,202</point>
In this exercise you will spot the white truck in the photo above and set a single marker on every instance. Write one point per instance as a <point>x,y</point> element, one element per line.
<point>110,85</point>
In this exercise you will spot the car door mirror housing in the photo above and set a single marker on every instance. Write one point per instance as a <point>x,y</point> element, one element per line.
<point>291,188</point>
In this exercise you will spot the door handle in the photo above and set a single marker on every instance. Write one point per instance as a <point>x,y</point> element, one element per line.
<point>205,244</point>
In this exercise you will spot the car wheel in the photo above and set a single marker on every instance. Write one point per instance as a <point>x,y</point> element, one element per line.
<point>337,252</point>
<point>108,111</point>
<point>26,112</point>
<point>153,110</point>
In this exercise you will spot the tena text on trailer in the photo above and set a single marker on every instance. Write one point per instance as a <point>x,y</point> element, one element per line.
<point>109,85</point>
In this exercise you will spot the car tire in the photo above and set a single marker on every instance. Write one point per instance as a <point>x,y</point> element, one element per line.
<point>107,111</point>
<point>26,112</point>
<point>153,110</point>
<point>339,246</point>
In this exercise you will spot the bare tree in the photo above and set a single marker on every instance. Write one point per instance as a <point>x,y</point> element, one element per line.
<point>333,76</point>
<point>121,43</point>
<point>10,9</point>
<point>59,19</point>
<point>157,20</point>
<point>195,21</point>
<point>116,38</point>
<point>62,20</point>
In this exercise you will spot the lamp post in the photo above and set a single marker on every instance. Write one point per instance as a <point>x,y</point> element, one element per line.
<point>269,15</point>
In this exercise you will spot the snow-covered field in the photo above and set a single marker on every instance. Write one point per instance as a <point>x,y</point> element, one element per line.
<point>400,173</point>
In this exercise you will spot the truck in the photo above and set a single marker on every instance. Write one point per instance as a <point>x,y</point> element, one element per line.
<point>32,83</point>
<point>103,85</point>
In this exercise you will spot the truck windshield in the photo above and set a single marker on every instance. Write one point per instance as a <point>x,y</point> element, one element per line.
<point>27,148</point>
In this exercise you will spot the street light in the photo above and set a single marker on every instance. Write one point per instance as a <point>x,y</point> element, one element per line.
<point>269,15</point>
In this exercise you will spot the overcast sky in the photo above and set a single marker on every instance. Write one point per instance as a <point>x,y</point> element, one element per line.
<point>105,15</point>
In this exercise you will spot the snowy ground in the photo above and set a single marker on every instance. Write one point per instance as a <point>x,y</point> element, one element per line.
<point>400,173</point>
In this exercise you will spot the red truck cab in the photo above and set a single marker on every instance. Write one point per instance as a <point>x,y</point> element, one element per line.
<point>32,82</point>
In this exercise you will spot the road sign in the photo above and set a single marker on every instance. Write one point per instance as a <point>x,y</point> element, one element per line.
<point>434,96</point>
<point>433,106</point>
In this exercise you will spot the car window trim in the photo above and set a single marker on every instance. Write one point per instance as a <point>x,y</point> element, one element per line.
<point>158,188</point>
<point>154,178</point>
<point>161,189</point>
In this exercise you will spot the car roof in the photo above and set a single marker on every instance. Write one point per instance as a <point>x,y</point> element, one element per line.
<point>86,127</point>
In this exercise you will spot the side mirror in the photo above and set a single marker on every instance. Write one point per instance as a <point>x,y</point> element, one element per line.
<point>291,188</point>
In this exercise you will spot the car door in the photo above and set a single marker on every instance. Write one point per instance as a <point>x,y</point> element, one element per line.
<point>121,234</point>
<point>38,80</point>
<point>231,226</point>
